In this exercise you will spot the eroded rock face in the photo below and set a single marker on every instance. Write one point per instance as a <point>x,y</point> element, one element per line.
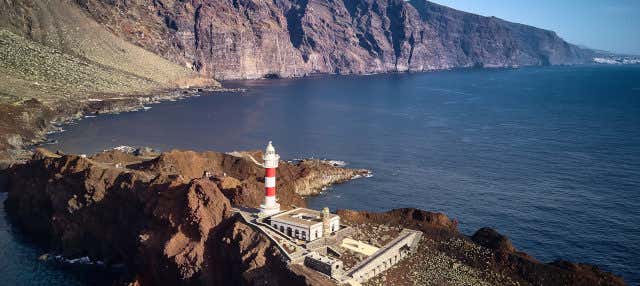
<point>253,39</point>
<point>183,220</point>
<point>251,259</point>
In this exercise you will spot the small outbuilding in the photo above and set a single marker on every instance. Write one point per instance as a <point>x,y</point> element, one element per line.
<point>329,266</point>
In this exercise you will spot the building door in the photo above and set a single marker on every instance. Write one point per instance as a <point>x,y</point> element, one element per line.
<point>289,231</point>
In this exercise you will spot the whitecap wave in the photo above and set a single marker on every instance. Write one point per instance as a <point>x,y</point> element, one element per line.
<point>336,163</point>
<point>124,148</point>
<point>369,174</point>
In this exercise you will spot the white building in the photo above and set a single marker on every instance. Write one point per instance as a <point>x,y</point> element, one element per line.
<point>306,224</point>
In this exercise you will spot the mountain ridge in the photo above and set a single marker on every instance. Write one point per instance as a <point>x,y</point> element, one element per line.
<point>289,38</point>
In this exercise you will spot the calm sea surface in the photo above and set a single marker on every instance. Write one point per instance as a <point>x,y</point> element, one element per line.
<point>548,156</point>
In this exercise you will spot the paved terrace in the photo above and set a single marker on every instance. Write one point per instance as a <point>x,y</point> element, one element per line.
<point>385,257</point>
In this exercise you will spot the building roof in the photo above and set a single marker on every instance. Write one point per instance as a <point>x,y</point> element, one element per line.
<point>321,258</point>
<point>301,216</point>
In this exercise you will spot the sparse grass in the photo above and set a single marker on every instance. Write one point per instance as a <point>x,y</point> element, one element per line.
<point>31,70</point>
<point>51,51</point>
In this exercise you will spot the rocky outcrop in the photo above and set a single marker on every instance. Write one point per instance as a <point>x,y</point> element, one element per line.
<point>490,238</point>
<point>527,268</point>
<point>253,39</point>
<point>252,259</point>
<point>156,213</point>
<point>239,174</point>
<point>431,223</point>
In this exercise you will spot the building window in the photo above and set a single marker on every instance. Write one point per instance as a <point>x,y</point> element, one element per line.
<point>297,233</point>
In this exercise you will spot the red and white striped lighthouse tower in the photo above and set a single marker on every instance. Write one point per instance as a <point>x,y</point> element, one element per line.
<point>270,206</point>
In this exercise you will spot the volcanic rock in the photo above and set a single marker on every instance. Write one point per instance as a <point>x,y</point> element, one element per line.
<point>160,216</point>
<point>491,239</point>
<point>169,220</point>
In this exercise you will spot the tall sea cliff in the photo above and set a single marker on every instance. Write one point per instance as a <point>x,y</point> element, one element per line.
<point>253,39</point>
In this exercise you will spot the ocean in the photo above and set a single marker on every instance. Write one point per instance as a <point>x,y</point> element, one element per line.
<point>549,156</point>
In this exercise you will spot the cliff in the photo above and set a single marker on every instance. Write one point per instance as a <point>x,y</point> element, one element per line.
<point>170,225</point>
<point>254,39</point>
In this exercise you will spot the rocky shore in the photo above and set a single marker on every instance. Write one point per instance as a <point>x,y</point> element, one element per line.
<point>168,218</point>
<point>56,64</point>
<point>28,123</point>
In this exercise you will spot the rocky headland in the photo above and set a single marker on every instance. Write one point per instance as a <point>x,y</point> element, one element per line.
<point>168,217</point>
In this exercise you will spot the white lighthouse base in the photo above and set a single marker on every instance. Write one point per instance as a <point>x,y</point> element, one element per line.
<point>269,210</point>
<point>270,206</point>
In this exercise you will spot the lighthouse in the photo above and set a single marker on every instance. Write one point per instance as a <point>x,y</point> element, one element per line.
<point>270,206</point>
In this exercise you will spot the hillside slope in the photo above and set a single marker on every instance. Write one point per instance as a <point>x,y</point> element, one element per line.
<point>56,61</point>
<point>252,39</point>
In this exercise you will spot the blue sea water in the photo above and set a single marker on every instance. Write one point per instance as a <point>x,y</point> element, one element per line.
<point>549,156</point>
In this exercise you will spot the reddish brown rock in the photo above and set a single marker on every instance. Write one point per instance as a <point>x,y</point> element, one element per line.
<point>241,178</point>
<point>431,223</point>
<point>160,217</point>
<point>171,226</point>
<point>491,239</point>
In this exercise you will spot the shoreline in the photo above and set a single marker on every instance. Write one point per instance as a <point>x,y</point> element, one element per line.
<point>58,115</point>
<point>53,117</point>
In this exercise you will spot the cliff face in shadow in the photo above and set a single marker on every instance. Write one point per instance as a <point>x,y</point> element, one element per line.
<point>253,39</point>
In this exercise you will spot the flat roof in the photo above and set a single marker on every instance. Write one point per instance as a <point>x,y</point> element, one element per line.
<point>301,216</point>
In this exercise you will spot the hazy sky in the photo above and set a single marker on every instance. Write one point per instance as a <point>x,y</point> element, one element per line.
<point>612,25</point>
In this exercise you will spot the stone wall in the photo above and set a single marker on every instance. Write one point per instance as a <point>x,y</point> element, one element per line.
<point>386,257</point>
